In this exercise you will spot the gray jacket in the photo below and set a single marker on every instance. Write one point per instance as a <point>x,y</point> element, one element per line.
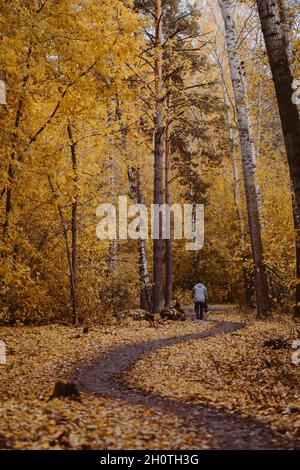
<point>200,293</point>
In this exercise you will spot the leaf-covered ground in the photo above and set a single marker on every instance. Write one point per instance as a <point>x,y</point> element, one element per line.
<point>237,372</point>
<point>40,356</point>
<point>232,371</point>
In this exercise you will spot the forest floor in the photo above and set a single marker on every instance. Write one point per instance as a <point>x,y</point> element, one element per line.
<point>171,385</point>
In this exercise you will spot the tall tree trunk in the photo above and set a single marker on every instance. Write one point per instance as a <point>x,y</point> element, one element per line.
<point>248,159</point>
<point>145,299</point>
<point>67,245</point>
<point>158,262</point>
<point>113,249</point>
<point>74,225</point>
<point>169,252</point>
<point>286,28</point>
<point>277,50</point>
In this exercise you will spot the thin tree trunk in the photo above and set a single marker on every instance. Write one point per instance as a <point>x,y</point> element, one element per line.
<point>136,191</point>
<point>113,250</point>
<point>74,224</point>
<point>145,300</point>
<point>169,252</point>
<point>278,54</point>
<point>158,262</point>
<point>248,159</point>
<point>67,245</point>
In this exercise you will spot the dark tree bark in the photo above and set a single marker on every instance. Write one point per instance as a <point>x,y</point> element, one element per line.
<point>286,25</point>
<point>277,50</point>
<point>297,250</point>
<point>158,262</point>
<point>169,252</point>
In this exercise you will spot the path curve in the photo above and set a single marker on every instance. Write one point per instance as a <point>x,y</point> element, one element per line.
<point>229,431</point>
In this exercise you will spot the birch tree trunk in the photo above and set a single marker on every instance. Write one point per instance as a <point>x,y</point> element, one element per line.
<point>248,159</point>
<point>136,190</point>
<point>158,262</point>
<point>277,45</point>
<point>169,252</point>
<point>145,300</point>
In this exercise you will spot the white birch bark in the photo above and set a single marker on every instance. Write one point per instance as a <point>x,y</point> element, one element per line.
<point>136,191</point>
<point>158,259</point>
<point>248,157</point>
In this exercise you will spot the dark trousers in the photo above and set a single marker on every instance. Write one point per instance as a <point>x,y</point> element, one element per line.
<point>199,310</point>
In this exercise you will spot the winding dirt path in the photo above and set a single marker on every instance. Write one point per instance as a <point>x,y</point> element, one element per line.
<point>229,431</point>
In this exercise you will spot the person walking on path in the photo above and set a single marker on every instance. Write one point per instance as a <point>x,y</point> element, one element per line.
<point>200,300</point>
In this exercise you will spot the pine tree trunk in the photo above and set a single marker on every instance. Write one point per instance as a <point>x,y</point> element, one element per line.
<point>169,252</point>
<point>158,263</point>
<point>248,159</point>
<point>277,50</point>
